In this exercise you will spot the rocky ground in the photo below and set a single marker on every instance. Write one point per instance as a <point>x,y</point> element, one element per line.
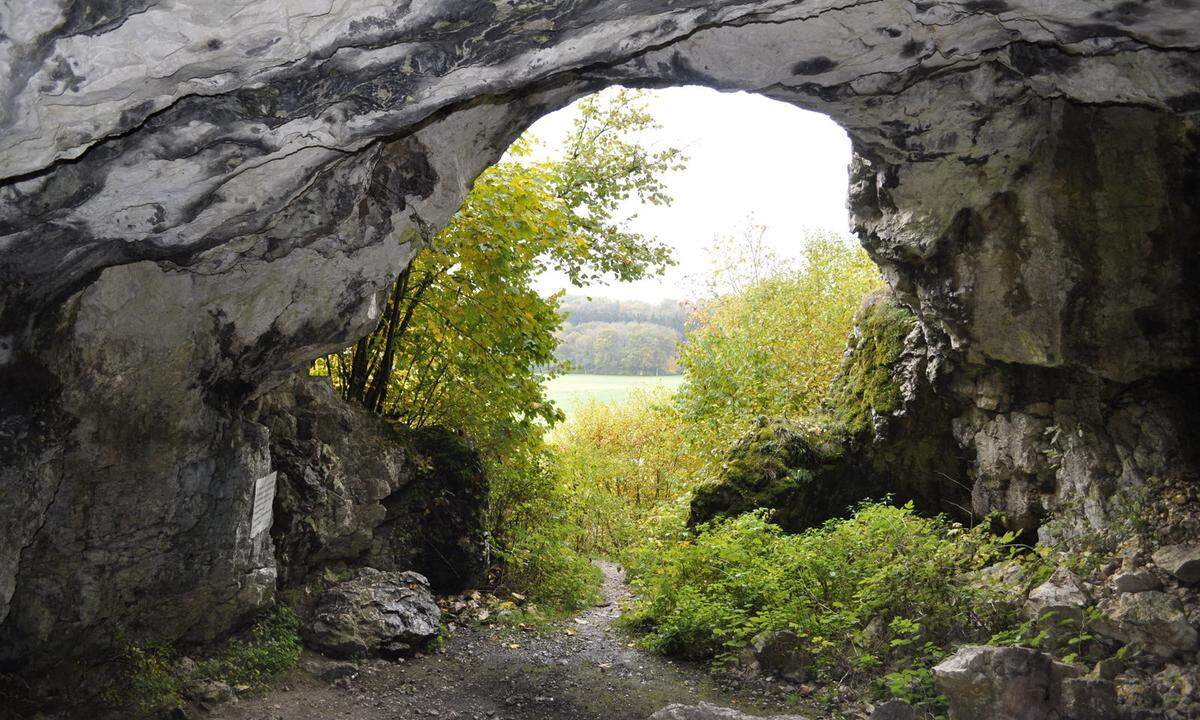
<point>578,669</point>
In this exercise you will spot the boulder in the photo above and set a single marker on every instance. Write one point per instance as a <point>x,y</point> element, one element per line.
<point>328,670</point>
<point>207,694</point>
<point>375,613</point>
<point>354,490</point>
<point>706,711</point>
<point>1002,683</point>
<point>1152,620</point>
<point>1004,577</point>
<point>780,654</point>
<point>894,710</point>
<point>1135,581</point>
<point>1182,561</point>
<point>1089,699</point>
<point>882,430</point>
<point>1063,595</point>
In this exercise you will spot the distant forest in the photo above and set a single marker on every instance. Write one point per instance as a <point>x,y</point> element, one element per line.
<point>621,337</point>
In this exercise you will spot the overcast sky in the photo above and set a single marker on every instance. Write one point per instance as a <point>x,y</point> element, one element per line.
<point>749,157</point>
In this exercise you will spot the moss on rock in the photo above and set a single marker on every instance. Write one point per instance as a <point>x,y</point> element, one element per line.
<point>805,476</point>
<point>817,467</point>
<point>867,385</point>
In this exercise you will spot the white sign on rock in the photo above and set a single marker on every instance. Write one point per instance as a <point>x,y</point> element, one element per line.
<point>264,497</point>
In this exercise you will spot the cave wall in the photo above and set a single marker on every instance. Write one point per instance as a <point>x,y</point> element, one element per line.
<point>197,197</point>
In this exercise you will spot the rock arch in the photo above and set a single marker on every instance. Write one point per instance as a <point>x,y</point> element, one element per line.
<point>198,197</point>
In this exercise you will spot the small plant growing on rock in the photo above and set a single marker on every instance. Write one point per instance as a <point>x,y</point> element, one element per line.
<point>269,649</point>
<point>147,680</point>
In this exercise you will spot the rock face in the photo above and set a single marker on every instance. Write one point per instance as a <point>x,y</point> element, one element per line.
<point>1010,683</point>
<point>1181,561</point>
<point>375,613</point>
<point>353,490</point>
<point>198,197</point>
<point>780,655</point>
<point>894,710</point>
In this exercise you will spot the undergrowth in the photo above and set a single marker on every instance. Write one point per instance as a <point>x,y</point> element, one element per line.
<point>881,593</point>
<point>152,678</point>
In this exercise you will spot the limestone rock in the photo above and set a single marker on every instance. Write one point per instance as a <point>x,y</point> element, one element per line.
<point>1089,699</point>
<point>1062,594</point>
<point>375,613</point>
<point>328,670</point>
<point>1152,620</point>
<point>1135,582</point>
<point>894,710</point>
<point>207,694</point>
<point>883,431</point>
<point>778,654</point>
<point>1182,561</point>
<point>1005,577</point>
<point>706,711</point>
<point>353,490</point>
<point>1002,683</point>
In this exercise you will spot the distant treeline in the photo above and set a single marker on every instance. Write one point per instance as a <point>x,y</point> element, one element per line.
<point>621,337</point>
<point>668,313</point>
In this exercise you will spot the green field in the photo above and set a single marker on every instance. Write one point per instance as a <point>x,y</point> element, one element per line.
<point>571,391</point>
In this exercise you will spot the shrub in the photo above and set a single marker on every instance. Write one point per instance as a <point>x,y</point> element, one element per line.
<point>530,529</point>
<point>772,346</point>
<point>881,587</point>
<point>616,463</point>
<point>150,679</point>
<point>147,681</point>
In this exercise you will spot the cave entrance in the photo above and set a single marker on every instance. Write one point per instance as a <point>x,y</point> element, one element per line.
<point>188,222</point>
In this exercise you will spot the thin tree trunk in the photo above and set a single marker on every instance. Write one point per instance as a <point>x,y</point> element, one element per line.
<point>383,374</point>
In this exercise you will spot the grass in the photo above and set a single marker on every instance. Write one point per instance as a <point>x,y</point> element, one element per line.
<point>572,391</point>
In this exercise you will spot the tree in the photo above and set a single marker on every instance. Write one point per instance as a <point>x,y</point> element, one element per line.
<point>463,330</point>
<point>742,261</point>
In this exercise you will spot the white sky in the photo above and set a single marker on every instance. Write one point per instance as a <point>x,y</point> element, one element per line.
<point>748,157</point>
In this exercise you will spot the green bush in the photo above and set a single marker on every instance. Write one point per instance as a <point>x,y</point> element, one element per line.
<point>616,463</point>
<point>150,680</point>
<point>881,588</point>
<point>530,528</point>
<point>147,681</point>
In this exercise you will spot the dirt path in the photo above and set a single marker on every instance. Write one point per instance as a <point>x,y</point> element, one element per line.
<point>593,674</point>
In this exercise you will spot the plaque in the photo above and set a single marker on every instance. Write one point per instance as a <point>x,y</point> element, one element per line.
<point>264,497</point>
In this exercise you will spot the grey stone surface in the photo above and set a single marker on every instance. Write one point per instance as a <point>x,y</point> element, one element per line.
<point>779,654</point>
<point>1002,683</point>
<point>1135,581</point>
<point>894,710</point>
<point>1089,699</point>
<point>198,197</point>
<point>1182,561</point>
<point>356,491</point>
<point>707,711</point>
<point>1062,594</point>
<point>1154,621</point>
<point>374,613</point>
